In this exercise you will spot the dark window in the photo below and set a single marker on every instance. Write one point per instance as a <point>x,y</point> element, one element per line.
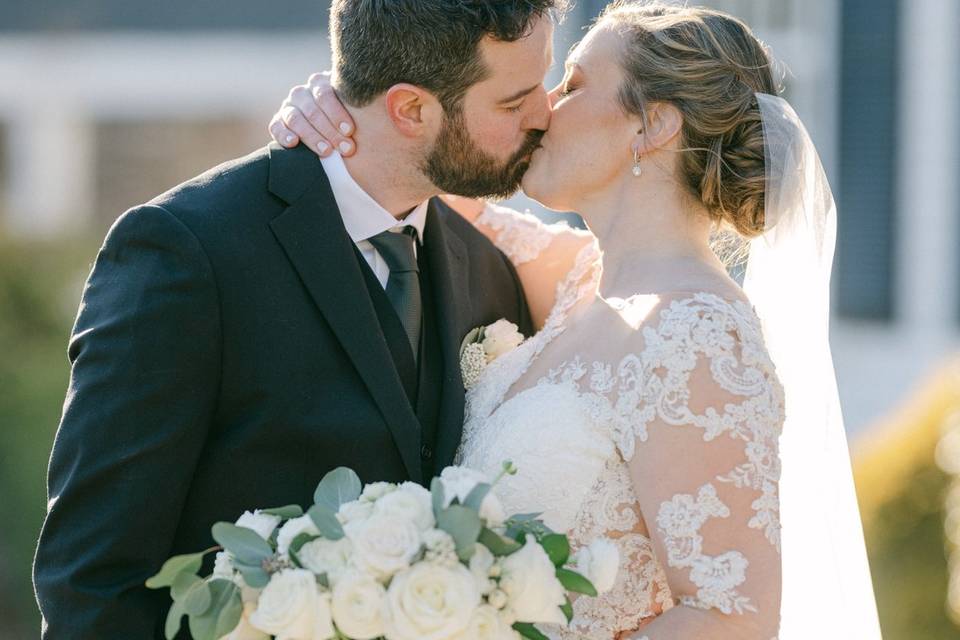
<point>867,187</point>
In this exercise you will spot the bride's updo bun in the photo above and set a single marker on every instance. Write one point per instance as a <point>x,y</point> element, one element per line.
<point>708,65</point>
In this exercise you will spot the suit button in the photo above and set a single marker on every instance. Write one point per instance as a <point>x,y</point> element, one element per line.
<point>426,452</point>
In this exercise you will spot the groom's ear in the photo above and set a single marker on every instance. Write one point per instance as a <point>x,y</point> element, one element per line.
<point>413,111</point>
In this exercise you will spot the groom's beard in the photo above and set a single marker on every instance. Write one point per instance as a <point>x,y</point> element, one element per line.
<point>457,165</point>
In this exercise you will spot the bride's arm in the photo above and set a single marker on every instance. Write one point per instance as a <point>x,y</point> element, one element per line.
<point>543,254</point>
<point>705,469</point>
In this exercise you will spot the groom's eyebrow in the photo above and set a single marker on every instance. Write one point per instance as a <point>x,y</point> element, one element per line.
<point>520,94</point>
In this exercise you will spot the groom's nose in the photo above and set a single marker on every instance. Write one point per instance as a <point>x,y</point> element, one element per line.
<point>539,116</point>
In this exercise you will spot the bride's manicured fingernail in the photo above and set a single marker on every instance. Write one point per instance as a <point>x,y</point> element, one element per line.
<point>344,128</point>
<point>289,138</point>
<point>323,147</point>
<point>345,147</point>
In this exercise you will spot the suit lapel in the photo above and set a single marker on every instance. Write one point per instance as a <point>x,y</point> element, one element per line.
<point>448,264</point>
<point>312,234</point>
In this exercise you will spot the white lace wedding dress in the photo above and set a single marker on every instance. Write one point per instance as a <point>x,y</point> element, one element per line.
<point>653,421</point>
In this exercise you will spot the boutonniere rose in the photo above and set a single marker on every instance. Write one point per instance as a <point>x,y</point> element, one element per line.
<point>483,345</point>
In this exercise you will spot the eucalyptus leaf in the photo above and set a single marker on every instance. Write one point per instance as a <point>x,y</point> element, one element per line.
<point>189,563</point>
<point>573,581</point>
<point>497,544</point>
<point>287,513</point>
<point>475,498</point>
<point>174,618</point>
<point>244,544</point>
<point>297,544</point>
<point>519,528</point>
<point>437,496</point>
<point>557,547</point>
<point>464,527</point>
<point>527,630</point>
<point>337,487</point>
<point>223,614</point>
<point>254,575</point>
<point>182,584</point>
<point>326,521</point>
<point>197,600</point>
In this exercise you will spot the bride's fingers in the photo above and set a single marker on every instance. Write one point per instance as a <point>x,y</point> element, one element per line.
<point>328,101</point>
<point>294,120</point>
<point>319,119</point>
<point>283,136</point>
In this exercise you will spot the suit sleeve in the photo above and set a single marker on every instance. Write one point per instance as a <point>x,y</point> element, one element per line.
<point>145,355</point>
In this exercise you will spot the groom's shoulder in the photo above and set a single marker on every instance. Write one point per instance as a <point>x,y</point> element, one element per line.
<point>223,192</point>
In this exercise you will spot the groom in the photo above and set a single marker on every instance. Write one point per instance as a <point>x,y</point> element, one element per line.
<point>277,317</point>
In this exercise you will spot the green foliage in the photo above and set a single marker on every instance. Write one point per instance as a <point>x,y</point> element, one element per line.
<point>338,487</point>
<point>464,525</point>
<point>326,522</point>
<point>527,630</point>
<point>573,581</point>
<point>40,287</point>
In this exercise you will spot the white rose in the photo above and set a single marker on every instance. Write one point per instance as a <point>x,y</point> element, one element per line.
<point>262,523</point>
<point>486,623</point>
<point>499,338</point>
<point>458,482</point>
<point>599,562</point>
<point>430,602</point>
<point>354,511</point>
<point>358,602</point>
<point>292,607</point>
<point>497,599</point>
<point>331,557</point>
<point>530,582</point>
<point>384,545</point>
<point>411,502</point>
<point>244,630</point>
<point>480,563</point>
<point>291,529</point>
<point>376,490</point>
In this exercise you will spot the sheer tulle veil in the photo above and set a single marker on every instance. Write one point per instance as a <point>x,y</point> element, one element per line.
<point>827,589</point>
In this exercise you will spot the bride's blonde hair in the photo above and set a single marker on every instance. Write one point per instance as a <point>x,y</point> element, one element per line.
<point>708,65</point>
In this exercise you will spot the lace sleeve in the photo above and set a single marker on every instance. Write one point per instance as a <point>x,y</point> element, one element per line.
<point>544,254</point>
<point>702,450</point>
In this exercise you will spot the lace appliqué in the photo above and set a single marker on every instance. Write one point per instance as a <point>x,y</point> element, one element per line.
<point>521,236</point>
<point>716,577</point>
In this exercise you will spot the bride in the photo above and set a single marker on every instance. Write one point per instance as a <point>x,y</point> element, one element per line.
<point>660,404</point>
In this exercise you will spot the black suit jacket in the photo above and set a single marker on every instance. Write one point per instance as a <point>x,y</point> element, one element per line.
<point>225,357</point>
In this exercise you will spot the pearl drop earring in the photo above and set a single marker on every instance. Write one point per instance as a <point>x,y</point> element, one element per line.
<point>636,163</point>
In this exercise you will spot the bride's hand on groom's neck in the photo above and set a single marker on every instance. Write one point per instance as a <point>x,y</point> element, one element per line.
<point>313,114</point>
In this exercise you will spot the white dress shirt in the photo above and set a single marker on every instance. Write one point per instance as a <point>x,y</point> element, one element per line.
<point>364,218</point>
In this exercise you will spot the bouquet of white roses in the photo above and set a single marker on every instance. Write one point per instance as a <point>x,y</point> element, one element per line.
<point>385,561</point>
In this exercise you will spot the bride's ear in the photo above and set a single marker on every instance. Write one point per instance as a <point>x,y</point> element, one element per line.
<point>663,124</point>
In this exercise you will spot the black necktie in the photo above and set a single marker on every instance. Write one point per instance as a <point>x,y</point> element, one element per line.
<point>403,285</point>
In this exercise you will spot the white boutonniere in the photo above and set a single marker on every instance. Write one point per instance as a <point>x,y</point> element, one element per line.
<point>483,345</point>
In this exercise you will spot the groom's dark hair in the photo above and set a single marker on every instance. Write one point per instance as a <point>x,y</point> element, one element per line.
<point>433,44</point>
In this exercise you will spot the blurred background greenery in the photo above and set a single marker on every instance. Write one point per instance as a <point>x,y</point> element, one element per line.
<point>105,104</point>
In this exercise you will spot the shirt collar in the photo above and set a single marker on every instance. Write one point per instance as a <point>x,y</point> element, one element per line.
<point>363,216</point>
